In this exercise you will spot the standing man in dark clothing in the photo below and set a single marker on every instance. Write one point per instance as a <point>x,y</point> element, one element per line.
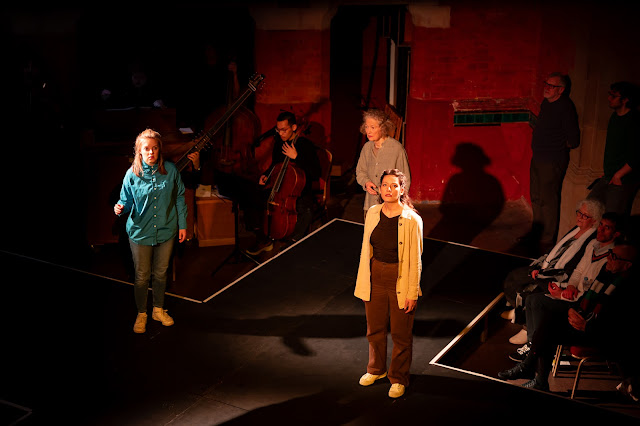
<point>619,185</point>
<point>555,133</point>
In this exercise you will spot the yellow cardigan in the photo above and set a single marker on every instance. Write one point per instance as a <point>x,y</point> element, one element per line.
<point>410,240</point>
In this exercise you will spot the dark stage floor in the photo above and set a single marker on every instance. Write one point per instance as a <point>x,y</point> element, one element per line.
<point>284,343</point>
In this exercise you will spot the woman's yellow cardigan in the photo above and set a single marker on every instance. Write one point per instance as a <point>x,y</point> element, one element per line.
<point>410,241</point>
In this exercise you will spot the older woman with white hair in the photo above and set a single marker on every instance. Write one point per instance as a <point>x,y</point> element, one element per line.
<point>557,265</point>
<point>380,153</point>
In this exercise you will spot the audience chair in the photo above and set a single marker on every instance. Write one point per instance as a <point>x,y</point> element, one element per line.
<point>321,187</point>
<point>583,354</point>
<point>396,119</point>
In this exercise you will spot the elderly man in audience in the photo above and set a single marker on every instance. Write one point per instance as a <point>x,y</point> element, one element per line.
<point>559,294</point>
<point>601,318</point>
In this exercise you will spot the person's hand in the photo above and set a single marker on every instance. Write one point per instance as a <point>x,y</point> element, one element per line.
<point>616,180</point>
<point>117,209</point>
<point>570,293</point>
<point>409,305</point>
<point>535,273</point>
<point>555,290</point>
<point>263,180</point>
<point>195,159</point>
<point>371,188</point>
<point>576,320</point>
<point>182,235</point>
<point>289,150</point>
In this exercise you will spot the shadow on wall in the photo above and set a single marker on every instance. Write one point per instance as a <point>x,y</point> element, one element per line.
<point>472,198</point>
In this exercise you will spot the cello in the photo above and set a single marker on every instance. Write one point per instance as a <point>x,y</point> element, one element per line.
<point>206,140</point>
<point>281,217</point>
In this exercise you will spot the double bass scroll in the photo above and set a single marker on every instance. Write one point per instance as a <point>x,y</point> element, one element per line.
<point>206,140</point>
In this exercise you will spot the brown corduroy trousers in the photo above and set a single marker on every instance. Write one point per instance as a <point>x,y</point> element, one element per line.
<point>381,311</point>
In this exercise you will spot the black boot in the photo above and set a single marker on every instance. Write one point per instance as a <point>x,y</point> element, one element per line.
<point>541,379</point>
<point>523,370</point>
<point>537,383</point>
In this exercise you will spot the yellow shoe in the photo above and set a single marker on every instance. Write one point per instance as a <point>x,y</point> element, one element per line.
<point>396,390</point>
<point>161,315</point>
<point>368,379</point>
<point>141,323</point>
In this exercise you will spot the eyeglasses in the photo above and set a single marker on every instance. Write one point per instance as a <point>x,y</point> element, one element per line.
<point>582,215</point>
<point>282,130</point>
<point>614,95</point>
<point>614,256</point>
<point>551,85</point>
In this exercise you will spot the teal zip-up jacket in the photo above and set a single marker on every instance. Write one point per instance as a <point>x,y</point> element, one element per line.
<point>156,204</point>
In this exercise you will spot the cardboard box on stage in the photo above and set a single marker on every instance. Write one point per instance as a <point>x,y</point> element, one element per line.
<point>216,223</point>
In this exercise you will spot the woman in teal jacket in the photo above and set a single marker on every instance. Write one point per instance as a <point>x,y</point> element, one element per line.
<point>153,195</point>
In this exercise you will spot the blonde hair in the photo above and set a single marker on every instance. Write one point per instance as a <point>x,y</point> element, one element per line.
<point>136,167</point>
<point>386,125</point>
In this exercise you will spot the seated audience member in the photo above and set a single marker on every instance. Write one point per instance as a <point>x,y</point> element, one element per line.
<point>561,295</point>
<point>603,318</point>
<point>557,265</point>
<point>138,91</point>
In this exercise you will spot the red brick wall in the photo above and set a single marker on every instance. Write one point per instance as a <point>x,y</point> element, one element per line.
<point>296,69</point>
<point>500,53</point>
<point>495,53</point>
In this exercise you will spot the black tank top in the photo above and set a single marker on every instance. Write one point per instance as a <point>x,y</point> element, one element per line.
<point>384,239</point>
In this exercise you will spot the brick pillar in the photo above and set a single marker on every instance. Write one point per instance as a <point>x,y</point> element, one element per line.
<point>292,51</point>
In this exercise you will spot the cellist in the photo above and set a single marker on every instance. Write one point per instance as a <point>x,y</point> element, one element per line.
<point>303,155</point>
<point>252,196</point>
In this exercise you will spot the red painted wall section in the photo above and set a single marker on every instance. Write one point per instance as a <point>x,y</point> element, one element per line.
<point>434,144</point>
<point>296,78</point>
<point>486,53</point>
<point>379,86</point>
<point>556,50</point>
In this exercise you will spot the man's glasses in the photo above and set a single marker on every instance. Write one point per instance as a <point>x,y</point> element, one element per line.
<point>582,215</point>
<point>614,95</point>
<point>551,85</point>
<point>614,256</point>
<point>282,130</point>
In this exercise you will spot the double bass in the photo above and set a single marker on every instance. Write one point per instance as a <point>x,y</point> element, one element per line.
<point>233,152</point>
<point>281,217</point>
<point>207,139</point>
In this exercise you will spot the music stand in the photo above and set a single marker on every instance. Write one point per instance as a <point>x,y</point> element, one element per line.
<point>237,254</point>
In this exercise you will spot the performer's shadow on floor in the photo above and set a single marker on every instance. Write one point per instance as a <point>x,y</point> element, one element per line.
<point>339,406</point>
<point>295,329</point>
